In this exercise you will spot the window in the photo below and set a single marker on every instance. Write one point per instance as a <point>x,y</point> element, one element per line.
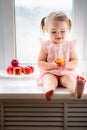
<point>7,30</point>
<point>28,15</point>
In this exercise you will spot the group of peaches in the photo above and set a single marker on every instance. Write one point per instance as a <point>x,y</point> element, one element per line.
<point>17,69</point>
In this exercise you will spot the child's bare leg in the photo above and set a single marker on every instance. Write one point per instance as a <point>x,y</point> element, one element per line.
<point>69,82</point>
<point>80,86</point>
<point>76,86</point>
<point>50,82</point>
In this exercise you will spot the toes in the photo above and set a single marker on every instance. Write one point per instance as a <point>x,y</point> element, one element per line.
<point>81,78</point>
<point>48,95</point>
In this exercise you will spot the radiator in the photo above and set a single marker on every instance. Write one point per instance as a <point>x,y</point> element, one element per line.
<point>42,115</point>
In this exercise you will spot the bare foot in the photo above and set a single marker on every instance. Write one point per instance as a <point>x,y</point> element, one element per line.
<point>49,94</point>
<point>80,86</point>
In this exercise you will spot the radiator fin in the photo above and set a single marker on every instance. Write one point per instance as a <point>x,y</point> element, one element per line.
<point>42,115</point>
<point>0,117</point>
<point>34,116</point>
<point>77,116</point>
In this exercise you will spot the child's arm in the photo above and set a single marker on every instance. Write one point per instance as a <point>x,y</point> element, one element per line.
<point>73,63</point>
<point>42,61</point>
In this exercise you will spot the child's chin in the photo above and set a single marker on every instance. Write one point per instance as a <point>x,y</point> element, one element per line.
<point>59,41</point>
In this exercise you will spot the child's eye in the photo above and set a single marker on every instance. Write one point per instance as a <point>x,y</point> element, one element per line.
<point>62,31</point>
<point>53,32</point>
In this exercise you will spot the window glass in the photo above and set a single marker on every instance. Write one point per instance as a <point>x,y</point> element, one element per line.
<point>28,14</point>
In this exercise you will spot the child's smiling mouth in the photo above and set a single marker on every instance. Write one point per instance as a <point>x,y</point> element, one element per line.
<point>58,38</point>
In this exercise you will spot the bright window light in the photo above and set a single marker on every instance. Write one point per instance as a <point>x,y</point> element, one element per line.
<point>28,14</point>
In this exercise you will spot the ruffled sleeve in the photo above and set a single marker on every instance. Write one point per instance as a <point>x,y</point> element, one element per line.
<point>44,45</point>
<point>73,44</point>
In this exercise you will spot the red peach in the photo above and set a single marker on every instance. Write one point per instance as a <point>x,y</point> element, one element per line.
<point>21,67</point>
<point>26,70</point>
<point>17,70</point>
<point>15,62</point>
<point>32,68</point>
<point>9,69</point>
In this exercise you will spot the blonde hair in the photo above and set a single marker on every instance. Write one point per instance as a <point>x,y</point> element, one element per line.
<point>56,15</point>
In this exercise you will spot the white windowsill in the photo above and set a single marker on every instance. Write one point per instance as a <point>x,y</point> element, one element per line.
<point>26,88</point>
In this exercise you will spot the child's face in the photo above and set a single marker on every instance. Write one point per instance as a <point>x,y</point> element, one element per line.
<point>58,31</point>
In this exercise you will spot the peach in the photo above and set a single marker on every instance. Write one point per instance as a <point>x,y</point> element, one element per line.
<point>31,68</point>
<point>15,62</point>
<point>9,69</point>
<point>17,70</point>
<point>60,61</point>
<point>26,70</point>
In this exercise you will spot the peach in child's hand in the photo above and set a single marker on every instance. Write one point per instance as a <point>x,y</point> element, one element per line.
<point>60,61</point>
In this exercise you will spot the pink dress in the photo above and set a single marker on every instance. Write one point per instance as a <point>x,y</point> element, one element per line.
<point>54,51</point>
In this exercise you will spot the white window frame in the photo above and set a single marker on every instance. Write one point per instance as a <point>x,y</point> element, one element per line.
<point>7,32</point>
<point>7,29</point>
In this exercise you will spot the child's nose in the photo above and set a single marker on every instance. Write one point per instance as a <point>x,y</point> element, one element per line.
<point>58,34</point>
